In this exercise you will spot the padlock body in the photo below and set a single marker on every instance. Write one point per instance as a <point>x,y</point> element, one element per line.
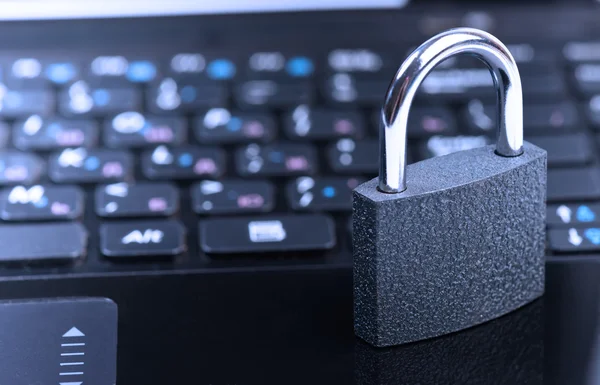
<point>464,244</point>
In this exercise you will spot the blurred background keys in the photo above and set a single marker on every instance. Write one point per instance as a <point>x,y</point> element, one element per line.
<point>19,167</point>
<point>132,129</point>
<point>305,123</point>
<point>79,165</point>
<point>350,156</point>
<point>185,162</point>
<point>43,134</point>
<point>280,159</point>
<point>80,99</point>
<point>321,193</point>
<point>220,126</point>
<point>571,214</point>
<point>22,103</point>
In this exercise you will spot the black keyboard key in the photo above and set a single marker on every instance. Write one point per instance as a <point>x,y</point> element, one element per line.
<point>574,239</point>
<point>25,72</point>
<point>444,145</point>
<point>271,93</point>
<point>64,242</point>
<point>136,200</point>
<point>581,51</point>
<point>196,67</point>
<point>43,134</point>
<point>132,129</point>
<point>80,165</point>
<point>219,126</point>
<point>320,124</point>
<point>349,156</point>
<point>118,71</point>
<point>278,65</point>
<point>19,167</point>
<point>22,203</point>
<point>322,194</point>
<point>61,72</point>
<point>183,162</point>
<point>21,103</point>
<point>142,239</point>
<point>565,150</point>
<point>427,121</point>
<point>355,89</point>
<point>185,95</point>
<point>573,214</point>
<point>592,112</point>
<point>574,184</point>
<point>281,159</point>
<point>538,119</point>
<point>79,99</point>
<point>587,78</point>
<point>4,134</point>
<point>233,196</point>
<point>267,234</point>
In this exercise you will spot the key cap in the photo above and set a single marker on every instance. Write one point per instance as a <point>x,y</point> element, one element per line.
<point>43,134</point>
<point>574,184</point>
<point>267,234</point>
<point>185,96</point>
<point>185,162</point>
<point>60,242</point>
<point>321,194</point>
<point>349,156</point>
<point>581,51</point>
<point>4,134</point>
<point>320,124</point>
<point>279,65</point>
<point>79,99</point>
<point>21,103</point>
<point>136,200</point>
<point>427,121</point>
<point>61,72</point>
<point>592,112</point>
<point>565,150</point>
<point>573,214</point>
<point>194,66</point>
<point>21,203</point>
<point>280,159</point>
<point>351,89</point>
<point>574,239</point>
<point>587,78</point>
<point>70,340</point>
<point>444,145</point>
<point>78,165</point>
<point>261,93</point>
<point>220,126</point>
<point>132,129</point>
<point>142,239</point>
<point>233,196</point>
<point>25,72</point>
<point>19,167</point>
<point>118,71</point>
<point>538,119</point>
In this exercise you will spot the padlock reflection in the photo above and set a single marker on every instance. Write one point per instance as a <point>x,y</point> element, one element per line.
<point>506,351</point>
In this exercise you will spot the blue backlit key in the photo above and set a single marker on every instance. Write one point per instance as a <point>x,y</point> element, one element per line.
<point>38,133</point>
<point>30,72</point>
<point>574,239</point>
<point>79,99</point>
<point>186,162</point>
<point>570,214</point>
<point>219,125</point>
<point>196,65</point>
<point>321,194</point>
<point>132,129</point>
<point>88,166</point>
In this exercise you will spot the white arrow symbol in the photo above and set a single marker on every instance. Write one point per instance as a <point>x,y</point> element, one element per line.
<point>574,238</point>
<point>74,332</point>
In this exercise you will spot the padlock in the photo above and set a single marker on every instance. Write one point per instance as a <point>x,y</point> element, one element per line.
<point>456,240</point>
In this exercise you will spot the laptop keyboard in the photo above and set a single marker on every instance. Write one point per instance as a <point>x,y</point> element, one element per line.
<point>120,163</point>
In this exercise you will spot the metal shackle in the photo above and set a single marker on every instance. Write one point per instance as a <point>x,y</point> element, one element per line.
<point>401,92</point>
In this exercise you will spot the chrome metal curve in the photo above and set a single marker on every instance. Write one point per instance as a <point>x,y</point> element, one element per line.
<point>401,92</point>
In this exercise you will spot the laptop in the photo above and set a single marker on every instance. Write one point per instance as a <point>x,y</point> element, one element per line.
<point>176,178</point>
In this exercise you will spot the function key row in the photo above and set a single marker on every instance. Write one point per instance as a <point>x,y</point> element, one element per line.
<point>67,242</point>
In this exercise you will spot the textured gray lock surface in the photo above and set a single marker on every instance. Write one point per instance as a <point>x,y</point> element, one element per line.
<point>462,245</point>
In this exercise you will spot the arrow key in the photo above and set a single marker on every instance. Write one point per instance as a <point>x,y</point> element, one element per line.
<point>575,239</point>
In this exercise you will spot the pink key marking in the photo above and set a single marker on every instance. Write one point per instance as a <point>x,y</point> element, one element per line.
<point>432,124</point>
<point>59,208</point>
<point>70,138</point>
<point>159,135</point>
<point>157,204</point>
<point>295,163</point>
<point>343,126</point>
<point>205,166</point>
<point>250,201</point>
<point>16,173</point>
<point>112,169</point>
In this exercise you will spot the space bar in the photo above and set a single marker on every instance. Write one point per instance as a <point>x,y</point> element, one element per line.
<point>42,242</point>
<point>267,234</point>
